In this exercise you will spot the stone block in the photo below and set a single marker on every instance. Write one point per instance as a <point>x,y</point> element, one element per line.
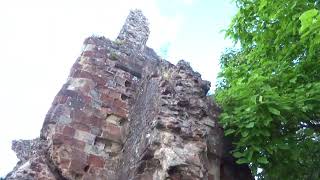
<point>64,163</point>
<point>107,99</point>
<point>59,139</point>
<point>94,121</point>
<point>79,161</point>
<point>68,131</point>
<point>112,132</point>
<point>113,119</point>
<point>80,126</point>
<point>84,136</point>
<point>96,150</point>
<point>120,103</point>
<point>96,161</point>
<point>121,112</point>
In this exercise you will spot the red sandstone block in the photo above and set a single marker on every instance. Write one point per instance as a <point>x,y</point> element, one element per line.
<point>64,163</point>
<point>68,131</point>
<point>120,111</point>
<point>106,98</point>
<point>59,139</point>
<point>79,161</point>
<point>114,93</point>
<point>96,161</point>
<point>99,79</point>
<point>94,121</point>
<point>87,118</point>
<point>119,103</point>
<point>80,126</point>
<point>77,144</point>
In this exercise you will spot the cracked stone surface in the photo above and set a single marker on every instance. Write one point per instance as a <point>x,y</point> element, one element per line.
<point>127,114</point>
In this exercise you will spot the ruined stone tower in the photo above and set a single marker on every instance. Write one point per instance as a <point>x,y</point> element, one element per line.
<point>126,114</point>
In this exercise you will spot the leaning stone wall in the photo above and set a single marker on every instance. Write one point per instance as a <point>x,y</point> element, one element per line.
<point>84,127</point>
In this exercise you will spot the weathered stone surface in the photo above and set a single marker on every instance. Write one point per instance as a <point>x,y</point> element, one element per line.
<point>126,114</point>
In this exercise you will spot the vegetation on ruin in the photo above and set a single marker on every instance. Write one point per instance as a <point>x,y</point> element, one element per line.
<point>269,88</point>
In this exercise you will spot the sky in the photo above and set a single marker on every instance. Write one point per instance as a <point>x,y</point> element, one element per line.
<point>41,39</point>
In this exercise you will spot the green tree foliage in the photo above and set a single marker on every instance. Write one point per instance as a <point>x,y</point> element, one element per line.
<point>269,90</point>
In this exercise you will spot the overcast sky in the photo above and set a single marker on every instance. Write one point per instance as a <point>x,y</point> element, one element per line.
<point>41,39</point>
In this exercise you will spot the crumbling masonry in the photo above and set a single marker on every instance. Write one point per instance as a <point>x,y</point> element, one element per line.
<point>127,114</point>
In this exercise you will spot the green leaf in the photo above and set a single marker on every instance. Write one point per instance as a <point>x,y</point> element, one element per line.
<point>274,111</point>
<point>253,99</point>
<point>250,125</point>
<point>263,160</point>
<point>244,133</point>
<point>263,3</point>
<point>307,19</point>
<point>237,154</point>
<point>308,14</point>
<point>229,131</point>
<point>249,155</point>
<point>242,161</point>
<point>293,80</point>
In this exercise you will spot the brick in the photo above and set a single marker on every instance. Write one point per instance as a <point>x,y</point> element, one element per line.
<point>120,111</point>
<point>80,126</point>
<point>84,136</point>
<point>96,161</point>
<point>68,131</point>
<point>99,80</point>
<point>60,139</point>
<point>106,98</point>
<point>94,121</point>
<point>114,93</point>
<point>119,103</point>
<point>64,163</point>
<point>78,161</point>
